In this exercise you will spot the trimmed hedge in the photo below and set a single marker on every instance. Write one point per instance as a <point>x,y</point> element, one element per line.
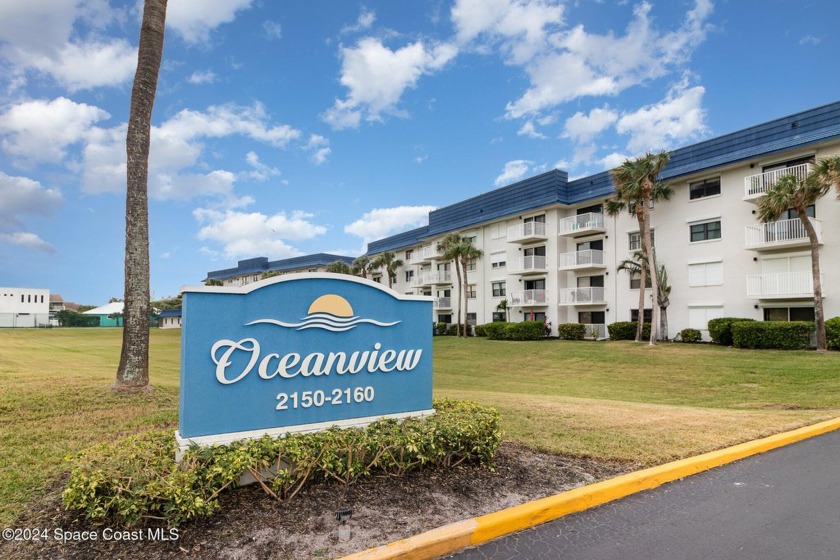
<point>690,335</point>
<point>479,330</point>
<point>626,330</point>
<point>526,330</point>
<point>496,331</point>
<point>571,331</point>
<point>779,335</point>
<point>133,480</point>
<point>832,333</point>
<point>720,330</point>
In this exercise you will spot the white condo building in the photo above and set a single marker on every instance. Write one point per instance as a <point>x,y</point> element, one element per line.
<point>24,307</point>
<point>550,251</point>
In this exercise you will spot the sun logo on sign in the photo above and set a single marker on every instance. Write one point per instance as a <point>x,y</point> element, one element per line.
<point>330,312</point>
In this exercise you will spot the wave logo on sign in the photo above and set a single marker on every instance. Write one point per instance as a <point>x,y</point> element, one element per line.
<point>329,312</point>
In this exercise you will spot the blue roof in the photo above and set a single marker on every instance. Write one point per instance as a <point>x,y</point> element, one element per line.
<point>259,265</point>
<point>790,132</point>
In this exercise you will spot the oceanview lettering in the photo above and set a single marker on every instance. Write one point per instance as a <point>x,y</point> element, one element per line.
<point>290,365</point>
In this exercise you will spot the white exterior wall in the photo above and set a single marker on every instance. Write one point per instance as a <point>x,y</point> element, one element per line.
<point>24,307</point>
<point>671,221</point>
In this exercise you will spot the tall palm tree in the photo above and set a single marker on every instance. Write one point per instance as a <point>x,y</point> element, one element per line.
<point>133,371</point>
<point>827,173</point>
<point>637,188</point>
<point>450,248</point>
<point>468,252</point>
<point>390,263</point>
<point>361,266</point>
<point>798,194</point>
<point>338,267</point>
<point>637,265</point>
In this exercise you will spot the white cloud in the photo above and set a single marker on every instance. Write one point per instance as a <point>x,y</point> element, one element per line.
<point>43,130</point>
<point>319,148</point>
<point>382,222</point>
<point>377,77</point>
<point>513,171</point>
<point>273,29</point>
<point>24,196</point>
<point>676,119</point>
<point>224,120</point>
<point>202,77</point>
<point>26,239</point>
<point>261,171</point>
<point>583,128</point>
<point>80,66</point>
<point>364,22</point>
<point>195,19</point>
<point>810,40</point>
<point>244,234</point>
<point>528,129</point>
<point>613,160</point>
<point>579,63</point>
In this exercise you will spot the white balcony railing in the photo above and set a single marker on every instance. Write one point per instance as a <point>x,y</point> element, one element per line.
<point>757,185</point>
<point>525,265</point>
<point>442,303</point>
<point>582,259</point>
<point>785,284</point>
<point>526,297</point>
<point>430,252</point>
<point>582,296</point>
<point>526,231</point>
<point>583,223</point>
<point>780,234</point>
<point>596,332</point>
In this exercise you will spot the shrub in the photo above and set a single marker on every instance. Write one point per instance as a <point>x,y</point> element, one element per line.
<point>792,335</point>
<point>571,331</point>
<point>479,330</point>
<point>441,329</point>
<point>690,335</point>
<point>832,333</point>
<point>526,330</point>
<point>137,478</point>
<point>453,329</point>
<point>626,330</point>
<point>496,331</point>
<point>720,330</point>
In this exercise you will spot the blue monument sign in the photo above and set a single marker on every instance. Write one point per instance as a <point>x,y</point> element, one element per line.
<point>301,352</point>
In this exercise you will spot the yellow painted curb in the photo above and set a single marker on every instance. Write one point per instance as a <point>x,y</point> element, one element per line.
<point>470,532</point>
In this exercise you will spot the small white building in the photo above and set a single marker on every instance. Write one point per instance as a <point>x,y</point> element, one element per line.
<point>24,307</point>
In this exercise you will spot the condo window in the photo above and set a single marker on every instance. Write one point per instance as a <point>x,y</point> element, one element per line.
<point>636,281</point>
<point>634,315</point>
<point>445,318</point>
<point>498,260</point>
<point>408,255</point>
<point>704,188</point>
<point>498,289</point>
<point>409,274</point>
<point>596,209</point>
<point>635,240</point>
<point>471,291</point>
<point>700,315</point>
<point>705,231</point>
<point>789,314</point>
<point>472,318</point>
<point>790,213</point>
<point>471,264</point>
<point>540,218</point>
<point>705,274</point>
<point>499,317</point>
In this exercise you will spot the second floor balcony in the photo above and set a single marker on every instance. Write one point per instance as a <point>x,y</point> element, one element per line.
<point>755,186</point>
<point>590,259</point>
<point>530,298</point>
<point>582,224</point>
<point>442,303</point>
<point>533,264</point>
<point>780,285</point>
<point>781,234</point>
<point>582,296</point>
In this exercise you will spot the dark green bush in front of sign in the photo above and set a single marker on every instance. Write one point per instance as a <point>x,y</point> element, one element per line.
<point>136,480</point>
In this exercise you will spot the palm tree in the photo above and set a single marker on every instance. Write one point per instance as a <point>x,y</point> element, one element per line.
<point>133,371</point>
<point>450,249</point>
<point>361,266</point>
<point>388,261</point>
<point>798,194</point>
<point>503,307</point>
<point>637,188</point>
<point>468,252</point>
<point>827,173</point>
<point>637,266</point>
<point>339,267</point>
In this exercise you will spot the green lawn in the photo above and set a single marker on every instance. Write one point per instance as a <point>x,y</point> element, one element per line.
<point>616,401</point>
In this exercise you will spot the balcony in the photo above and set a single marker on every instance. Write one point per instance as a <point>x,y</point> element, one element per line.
<point>529,298</point>
<point>432,279</point>
<point>755,186</point>
<point>527,232</point>
<point>424,254</point>
<point>780,285</point>
<point>534,264</point>
<point>582,296</point>
<point>595,332</point>
<point>442,303</point>
<point>591,259</point>
<point>781,235</point>
<point>584,224</point>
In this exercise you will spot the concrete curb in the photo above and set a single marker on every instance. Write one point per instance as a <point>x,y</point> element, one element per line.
<point>471,532</point>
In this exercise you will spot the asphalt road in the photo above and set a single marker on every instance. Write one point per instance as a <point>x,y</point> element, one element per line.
<point>781,505</point>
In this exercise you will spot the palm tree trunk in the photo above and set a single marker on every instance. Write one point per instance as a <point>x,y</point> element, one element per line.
<point>640,324</point>
<point>663,322</point>
<point>133,371</point>
<point>460,295</point>
<point>647,243</point>
<point>466,299</point>
<point>819,315</point>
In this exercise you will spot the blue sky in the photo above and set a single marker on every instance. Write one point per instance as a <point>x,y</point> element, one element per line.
<point>288,128</point>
